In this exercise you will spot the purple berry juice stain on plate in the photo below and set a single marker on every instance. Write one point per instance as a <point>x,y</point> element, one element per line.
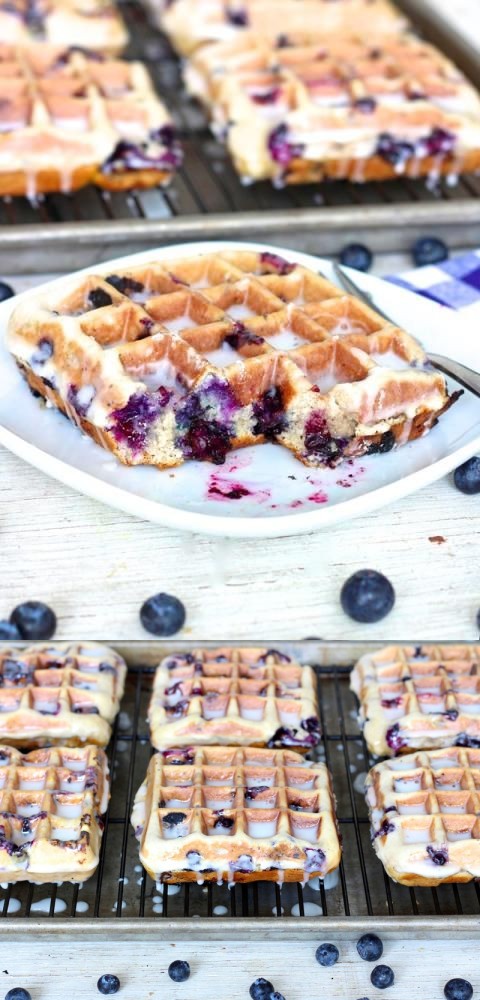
<point>222,489</point>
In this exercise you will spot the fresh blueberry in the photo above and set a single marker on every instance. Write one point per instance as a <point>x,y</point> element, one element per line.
<point>429,250</point>
<point>367,596</point>
<point>261,989</point>
<point>327,954</point>
<point>277,996</point>
<point>370,947</point>
<point>18,993</point>
<point>162,614</point>
<point>382,977</point>
<point>356,255</point>
<point>108,984</point>
<point>9,631</point>
<point>179,971</point>
<point>34,620</point>
<point>458,989</point>
<point>6,291</point>
<point>467,476</point>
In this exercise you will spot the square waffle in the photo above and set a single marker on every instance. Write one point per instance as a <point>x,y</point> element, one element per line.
<point>51,695</point>
<point>271,814</point>
<point>51,804</point>
<point>234,697</point>
<point>70,118</point>
<point>339,109</point>
<point>92,24</point>
<point>190,23</point>
<point>425,815</point>
<point>182,359</point>
<point>419,697</point>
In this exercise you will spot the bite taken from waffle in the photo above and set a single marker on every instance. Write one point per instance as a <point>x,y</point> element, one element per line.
<point>234,697</point>
<point>51,807</point>
<point>425,815</point>
<point>237,816</point>
<point>174,358</point>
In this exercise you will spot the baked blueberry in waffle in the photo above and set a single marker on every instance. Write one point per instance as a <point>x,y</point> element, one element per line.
<point>69,118</point>
<point>425,814</point>
<point>66,695</point>
<point>51,807</point>
<point>91,24</point>
<point>221,813</point>
<point>186,358</point>
<point>234,697</point>
<point>419,698</point>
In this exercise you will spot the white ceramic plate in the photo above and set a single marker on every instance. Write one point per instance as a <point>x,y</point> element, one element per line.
<point>279,496</point>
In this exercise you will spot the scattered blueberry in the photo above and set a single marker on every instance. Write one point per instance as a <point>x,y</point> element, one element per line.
<point>261,989</point>
<point>18,993</point>
<point>356,255</point>
<point>276,996</point>
<point>8,630</point>
<point>34,620</point>
<point>162,614</point>
<point>429,250</point>
<point>108,984</point>
<point>367,596</point>
<point>467,476</point>
<point>6,291</point>
<point>458,989</point>
<point>327,954</point>
<point>382,977</point>
<point>370,947</point>
<point>179,971</point>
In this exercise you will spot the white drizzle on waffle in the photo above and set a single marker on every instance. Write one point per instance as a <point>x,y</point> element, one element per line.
<point>187,358</point>
<point>237,816</point>
<point>419,697</point>
<point>425,815</point>
<point>51,804</point>
<point>68,695</point>
<point>234,697</point>
<point>93,24</point>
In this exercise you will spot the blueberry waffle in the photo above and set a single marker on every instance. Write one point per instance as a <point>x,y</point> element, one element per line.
<point>425,815</point>
<point>338,109</point>
<point>53,695</point>
<point>91,24</point>
<point>70,118</point>
<point>419,697</point>
<point>234,697</point>
<point>180,359</point>
<point>51,804</point>
<point>271,814</point>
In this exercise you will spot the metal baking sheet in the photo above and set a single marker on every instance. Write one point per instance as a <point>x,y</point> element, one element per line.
<point>121,900</point>
<point>206,199</point>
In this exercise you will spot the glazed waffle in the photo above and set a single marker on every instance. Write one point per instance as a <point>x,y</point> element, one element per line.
<point>425,814</point>
<point>51,695</point>
<point>234,697</point>
<point>92,24</point>
<point>187,358</point>
<point>190,23</point>
<point>414,698</point>
<point>69,118</point>
<point>338,108</point>
<point>272,815</point>
<point>51,804</point>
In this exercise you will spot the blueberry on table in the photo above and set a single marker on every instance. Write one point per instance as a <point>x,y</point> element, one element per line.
<point>356,255</point>
<point>6,291</point>
<point>179,971</point>
<point>276,996</point>
<point>261,989</point>
<point>467,476</point>
<point>458,989</point>
<point>429,250</point>
<point>162,614</point>
<point>327,954</point>
<point>18,993</point>
<point>9,631</point>
<point>108,984</point>
<point>382,977</point>
<point>367,596</point>
<point>34,620</point>
<point>370,947</point>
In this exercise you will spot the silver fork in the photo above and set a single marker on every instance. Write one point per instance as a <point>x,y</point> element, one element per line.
<point>461,373</point>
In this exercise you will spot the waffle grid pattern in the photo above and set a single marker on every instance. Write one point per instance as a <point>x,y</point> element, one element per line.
<point>96,25</point>
<point>51,802</point>
<point>271,814</point>
<point>425,814</point>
